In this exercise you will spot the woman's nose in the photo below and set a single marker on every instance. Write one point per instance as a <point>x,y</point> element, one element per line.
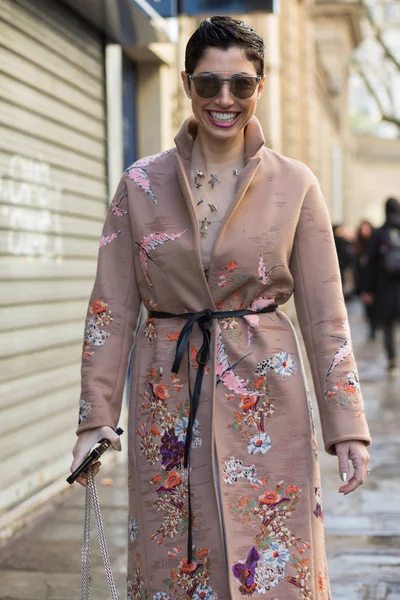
<point>225,97</point>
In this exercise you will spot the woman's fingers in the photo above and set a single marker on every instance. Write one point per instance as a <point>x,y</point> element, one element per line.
<point>86,440</point>
<point>82,479</point>
<point>357,453</point>
<point>342,452</point>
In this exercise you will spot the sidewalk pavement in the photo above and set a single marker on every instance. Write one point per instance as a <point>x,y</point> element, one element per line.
<point>363,529</point>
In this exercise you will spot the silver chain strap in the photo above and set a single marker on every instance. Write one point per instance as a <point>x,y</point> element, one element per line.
<point>92,502</point>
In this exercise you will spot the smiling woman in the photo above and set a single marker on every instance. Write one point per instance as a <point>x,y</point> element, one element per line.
<point>212,236</point>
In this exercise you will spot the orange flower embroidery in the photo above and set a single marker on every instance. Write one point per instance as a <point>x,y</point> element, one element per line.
<point>173,479</point>
<point>97,306</point>
<point>321,584</point>
<point>292,489</point>
<point>247,402</point>
<point>258,383</point>
<point>186,567</point>
<point>269,498</point>
<point>161,391</point>
<point>231,266</point>
<point>173,336</point>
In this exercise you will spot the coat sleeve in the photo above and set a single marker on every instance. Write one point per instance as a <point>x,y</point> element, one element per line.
<point>111,320</point>
<point>324,325</point>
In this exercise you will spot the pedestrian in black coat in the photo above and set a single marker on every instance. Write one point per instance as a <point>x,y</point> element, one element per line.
<point>383,288</point>
<point>363,248</point>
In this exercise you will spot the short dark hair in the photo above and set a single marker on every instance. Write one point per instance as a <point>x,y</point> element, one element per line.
<point>224,32</point>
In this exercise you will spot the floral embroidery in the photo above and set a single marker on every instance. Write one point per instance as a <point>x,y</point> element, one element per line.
<point>345,389</point>
<point>234,469</point>
<point>192,578</point>
<point>138,173</point>
<point>231,325</point>
<point>94,337</point>
<point>172,498</point>
<point>181,430</point>
<point>277,554</point>
<point>108,239</point>
<point>323,583</point>
<point>115,206</point>
<point>253,321</point>
<point>318,511</point>
<point>161,422</point>
<point>161,596</point>
<point>229,275</point>
<point>84,410</point>
<point>149,243</point>
<point>263,273</point>
<point>341,353</point>
<point>225,372</point>
<point>282,363</point>
<point>150,331</point>
<point>103,316</point>
<point>255,402</point>
<point>259,443</point>
<point>136,588</point>
<point>163,439</point>
<point>133,529</point>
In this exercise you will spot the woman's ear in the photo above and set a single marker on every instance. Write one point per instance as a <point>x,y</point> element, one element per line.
<point>260,88</point>
<point>186,84</point>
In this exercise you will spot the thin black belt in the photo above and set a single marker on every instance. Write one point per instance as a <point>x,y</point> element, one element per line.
<point>204,320</point>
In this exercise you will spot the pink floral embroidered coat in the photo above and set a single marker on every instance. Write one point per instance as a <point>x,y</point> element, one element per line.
<point>255,486</point>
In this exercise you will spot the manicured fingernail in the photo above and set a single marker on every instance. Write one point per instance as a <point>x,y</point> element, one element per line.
<point>343,477</point>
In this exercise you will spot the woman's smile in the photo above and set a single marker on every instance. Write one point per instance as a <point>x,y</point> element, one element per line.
<point>221,118</point>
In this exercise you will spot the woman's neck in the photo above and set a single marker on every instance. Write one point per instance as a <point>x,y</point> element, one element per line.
<point>211,155</point>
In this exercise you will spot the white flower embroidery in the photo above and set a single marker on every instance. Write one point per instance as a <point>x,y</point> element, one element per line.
<point>203,592</point>
<point>133,529</point>
<point>259,443</point>
<point>84,410</point>
<point>282,363</point>
<point>276,554</point>
<point>267,576</point>
<point>234,469</point>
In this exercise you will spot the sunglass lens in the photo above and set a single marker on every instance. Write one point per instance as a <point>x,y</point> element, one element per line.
<point>243,87</point>
<point>207,86</point>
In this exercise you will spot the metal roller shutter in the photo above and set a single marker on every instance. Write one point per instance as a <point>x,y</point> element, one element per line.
<point>52,205</point>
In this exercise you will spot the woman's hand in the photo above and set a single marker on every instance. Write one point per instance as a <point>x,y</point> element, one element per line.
<point>86,440</point>
<point>357,453</point>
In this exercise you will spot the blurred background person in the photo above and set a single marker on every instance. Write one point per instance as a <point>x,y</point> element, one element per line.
<point>363,248</point>
<point>383,286</point>
<point>345,247</point>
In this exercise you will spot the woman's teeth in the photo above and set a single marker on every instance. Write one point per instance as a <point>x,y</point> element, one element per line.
<point>223,117</point>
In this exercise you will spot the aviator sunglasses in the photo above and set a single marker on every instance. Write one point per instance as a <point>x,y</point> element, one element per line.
<point>209,86</point>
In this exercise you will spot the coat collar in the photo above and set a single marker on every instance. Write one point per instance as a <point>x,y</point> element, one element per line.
<point>253,138</point>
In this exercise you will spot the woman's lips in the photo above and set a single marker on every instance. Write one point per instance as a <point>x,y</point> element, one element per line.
<point>220,122</point>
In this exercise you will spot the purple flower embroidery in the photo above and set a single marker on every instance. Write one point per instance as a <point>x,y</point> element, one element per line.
<point>171,450</point>
<point>245,572</point>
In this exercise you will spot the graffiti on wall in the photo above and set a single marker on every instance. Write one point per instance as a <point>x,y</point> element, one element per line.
<point>30,204</point>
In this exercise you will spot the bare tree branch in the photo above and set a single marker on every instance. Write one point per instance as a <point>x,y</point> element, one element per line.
<point>384,116</point>
<point>379,37</point>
